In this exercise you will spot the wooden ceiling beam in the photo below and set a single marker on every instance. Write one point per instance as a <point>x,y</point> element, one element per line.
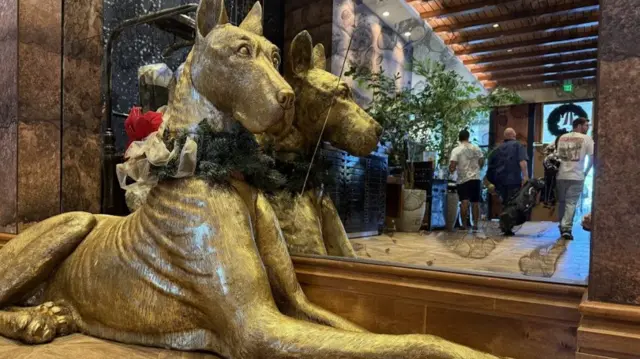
<point>518,15</point>
<point>544,78</point>
<point>504,75</point>
<point>539,51</point>
<point>556,36</point>
<point>537,61</point>
<point>543,85</point>
<point>555,24</point>
<point>450,10</point>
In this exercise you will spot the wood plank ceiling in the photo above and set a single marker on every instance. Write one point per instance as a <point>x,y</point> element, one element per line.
<point>519,44</point>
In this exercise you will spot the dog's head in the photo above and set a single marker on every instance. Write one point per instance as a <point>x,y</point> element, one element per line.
<point>236,69</point>
<point>348,126</point>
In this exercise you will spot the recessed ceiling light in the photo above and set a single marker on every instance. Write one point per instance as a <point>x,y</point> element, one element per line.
<point>529,85</point>
<point>407,34</point>
<point>386,13</point>
<point>496,25</point>
<point>510,50</point>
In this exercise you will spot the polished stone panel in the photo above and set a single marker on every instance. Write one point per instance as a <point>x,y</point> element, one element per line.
<point>39,110</point>
<point>8,113</point>
<point>81,111</point>
<point>615,271</point>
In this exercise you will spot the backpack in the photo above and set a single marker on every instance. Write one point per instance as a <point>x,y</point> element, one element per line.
<point>518,208</point>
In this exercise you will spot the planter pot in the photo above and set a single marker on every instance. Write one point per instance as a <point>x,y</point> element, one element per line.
<point>413,210</point>
<point>453,210</point>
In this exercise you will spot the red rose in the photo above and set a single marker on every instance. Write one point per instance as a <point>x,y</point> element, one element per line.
<point>139,126</point>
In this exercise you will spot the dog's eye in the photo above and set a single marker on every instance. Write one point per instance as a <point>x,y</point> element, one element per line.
<point>276,60</point>
<point>244,50</point>
<point>345,91</point>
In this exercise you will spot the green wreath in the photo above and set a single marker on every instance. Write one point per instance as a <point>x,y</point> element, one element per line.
<point>554,118</point>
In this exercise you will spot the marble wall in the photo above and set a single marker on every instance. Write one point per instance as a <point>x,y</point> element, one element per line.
<point>615,269</point>
<point>82,106</point>
<point>8,113</point>
<point>49,109</point>
<point>39,115</point>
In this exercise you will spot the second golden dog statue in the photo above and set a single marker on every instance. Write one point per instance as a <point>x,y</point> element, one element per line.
<point>310,221</point>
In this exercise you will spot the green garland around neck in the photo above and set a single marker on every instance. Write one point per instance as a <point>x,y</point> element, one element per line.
<point>221,154</point>
<point>295,171</point>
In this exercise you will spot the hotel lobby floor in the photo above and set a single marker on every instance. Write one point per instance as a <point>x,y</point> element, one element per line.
<point>535,252</point>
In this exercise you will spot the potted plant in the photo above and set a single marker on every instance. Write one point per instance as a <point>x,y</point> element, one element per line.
<point>427,117</point>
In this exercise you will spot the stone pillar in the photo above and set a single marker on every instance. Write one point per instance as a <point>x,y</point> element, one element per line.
<point>610,327</point>
<point>50,109</point>
<point>39,110</point>
<point>615,265</point>
<point>81,149</point>
<point>8,114</point>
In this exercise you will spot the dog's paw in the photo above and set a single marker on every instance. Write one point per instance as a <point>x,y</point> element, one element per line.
<point>41,324</point>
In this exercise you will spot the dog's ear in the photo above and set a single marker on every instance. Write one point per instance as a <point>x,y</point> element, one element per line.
<point>301,53</point>
<point>253,21</point>
<point>319,57</point>
<point>211,13</point>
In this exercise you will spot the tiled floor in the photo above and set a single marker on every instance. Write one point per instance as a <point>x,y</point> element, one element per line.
<point>535,251</point>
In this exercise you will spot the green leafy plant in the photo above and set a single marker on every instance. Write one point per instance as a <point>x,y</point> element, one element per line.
<point>427,117</point>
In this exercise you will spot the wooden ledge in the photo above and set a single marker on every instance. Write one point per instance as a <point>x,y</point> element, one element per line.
<point>500,297</point>
<point>625,313</point>
<point>608,331</point>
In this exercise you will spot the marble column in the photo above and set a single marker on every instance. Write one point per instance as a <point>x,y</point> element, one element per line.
<point>82,105</point>
<point>8,113</point>
<point>615,258</point>
<point>39,110</point>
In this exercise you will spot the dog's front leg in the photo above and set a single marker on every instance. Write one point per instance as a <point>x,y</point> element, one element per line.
<point>333,233</point>
<point>285,287</point>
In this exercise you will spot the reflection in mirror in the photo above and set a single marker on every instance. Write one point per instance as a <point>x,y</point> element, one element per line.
<point>471,174</point>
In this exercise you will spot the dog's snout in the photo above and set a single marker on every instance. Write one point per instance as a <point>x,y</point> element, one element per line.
<point>286,98</point>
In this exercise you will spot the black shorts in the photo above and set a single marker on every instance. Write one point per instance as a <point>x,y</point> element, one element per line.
<point>470,191</point>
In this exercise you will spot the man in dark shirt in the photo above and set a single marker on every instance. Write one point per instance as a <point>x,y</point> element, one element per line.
<point>508,166</point>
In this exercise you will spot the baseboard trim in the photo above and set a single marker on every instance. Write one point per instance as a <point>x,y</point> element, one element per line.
<point>610,331</point>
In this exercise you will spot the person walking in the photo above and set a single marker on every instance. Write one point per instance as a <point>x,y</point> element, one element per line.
<point>467,159</point>
<point>572,148</point>
<point>508,168</point>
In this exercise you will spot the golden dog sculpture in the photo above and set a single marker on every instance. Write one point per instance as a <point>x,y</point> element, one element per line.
<point>201,265</point>
<point>310,222</point>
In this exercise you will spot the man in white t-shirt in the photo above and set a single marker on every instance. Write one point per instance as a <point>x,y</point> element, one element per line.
<point>572,148</point>
<point>467,159</point>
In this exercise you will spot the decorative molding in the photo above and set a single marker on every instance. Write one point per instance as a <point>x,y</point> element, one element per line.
<point>608,331</point>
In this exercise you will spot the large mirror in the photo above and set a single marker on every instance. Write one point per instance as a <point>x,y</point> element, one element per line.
<point>481,162</point>
<point>415,145</point>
